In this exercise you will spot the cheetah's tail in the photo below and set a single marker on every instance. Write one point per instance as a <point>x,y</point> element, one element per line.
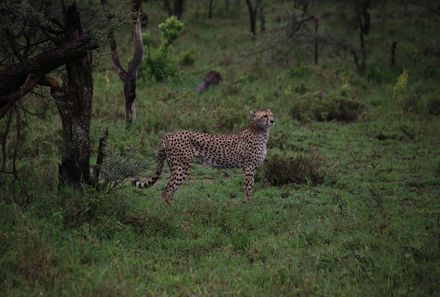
<point>153,179</point>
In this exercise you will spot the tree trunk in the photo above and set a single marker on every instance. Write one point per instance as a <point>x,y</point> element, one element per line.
<point>130,99</point>
<point>129,76</point>
<point>210,7</point>
<point>179,7</point>
<point>260,6</point>
<point>316,20</point>
<point>393,53</point>
<point>362,7</point>
<point>252,16</point>
<point>174,7</point>
<point>168,8</point>
<point>74,103</point>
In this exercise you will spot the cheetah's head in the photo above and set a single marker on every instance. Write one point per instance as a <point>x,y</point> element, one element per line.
<point>263,118</point>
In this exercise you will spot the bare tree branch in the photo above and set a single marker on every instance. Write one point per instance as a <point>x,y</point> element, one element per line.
<point>136,35</point>
<point>112,42</point>
<point>14,79</point>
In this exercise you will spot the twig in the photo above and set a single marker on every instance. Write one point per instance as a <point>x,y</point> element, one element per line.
<point>101,155</point>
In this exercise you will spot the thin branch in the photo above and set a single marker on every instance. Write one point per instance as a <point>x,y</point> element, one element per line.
<point>136,35</point>
<point>112,41</point>
<point>101,155</point>
<point>3,140</point>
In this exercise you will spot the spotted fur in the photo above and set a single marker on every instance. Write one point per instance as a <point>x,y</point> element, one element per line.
<point>246,150</point>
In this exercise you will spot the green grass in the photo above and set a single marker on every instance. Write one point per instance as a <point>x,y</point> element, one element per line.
<point>370,228</point>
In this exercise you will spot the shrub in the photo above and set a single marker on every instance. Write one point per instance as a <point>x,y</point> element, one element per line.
<point>401,84</point>
<point>433,104</point>
<point>89,206</point>
<point>187,58</point>
<point>117,167</point>
<point>158,67</point>
<point>326,109</point>
<point>428,103</point>
<point>292,168</point>
<point>170,30</point>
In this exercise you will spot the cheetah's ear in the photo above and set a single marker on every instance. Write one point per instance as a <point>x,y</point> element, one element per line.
<point>252,114</point>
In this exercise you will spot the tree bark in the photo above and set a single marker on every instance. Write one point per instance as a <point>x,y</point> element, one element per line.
<point>364,27</point>
<point>393,53</point>
<point>316,40</point>
<point>128,76</point>
<point>175,7</point>
<point>74,103</point>
<point>179,7</point>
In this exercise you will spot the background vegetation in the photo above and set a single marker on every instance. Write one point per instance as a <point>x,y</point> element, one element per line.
<point>347,203</point>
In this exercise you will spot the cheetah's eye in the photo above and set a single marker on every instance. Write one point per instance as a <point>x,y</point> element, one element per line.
<point>265,116</point>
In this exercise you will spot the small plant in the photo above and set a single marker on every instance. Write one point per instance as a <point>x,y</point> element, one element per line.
<point>170,31</point>
<point>158,65</point>
<point>401,84</point>
<point>293,168</point>
<point>187,58</point>
<point>117,167</point>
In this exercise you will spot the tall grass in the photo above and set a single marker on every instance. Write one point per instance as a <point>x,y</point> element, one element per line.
<point>345,205</point>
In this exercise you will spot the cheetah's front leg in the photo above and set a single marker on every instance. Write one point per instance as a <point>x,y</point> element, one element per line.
<point>249,172</point>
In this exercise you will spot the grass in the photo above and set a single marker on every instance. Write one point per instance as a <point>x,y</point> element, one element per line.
<point>370,227</point>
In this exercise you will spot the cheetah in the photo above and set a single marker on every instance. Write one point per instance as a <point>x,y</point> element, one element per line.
<point>246,150</point>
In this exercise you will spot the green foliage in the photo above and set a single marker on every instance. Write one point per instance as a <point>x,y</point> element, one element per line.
<point>401,84</point>
<point>187,58</point>
<point>159,67</point>
<point>160,64</point>
<point>422,99</point>
<point>293,168</point>
<point>369,227</point>
<point>117,167</point>
<point>170,30</point>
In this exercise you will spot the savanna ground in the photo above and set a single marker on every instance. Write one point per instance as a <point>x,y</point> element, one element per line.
<point>365,221</point>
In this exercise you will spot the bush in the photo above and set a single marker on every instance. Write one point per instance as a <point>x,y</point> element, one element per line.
<point>401,84</point>
<point>187,58</point>
<point>117,167</point>
<point>89,206</point>
<point>170,30</point>
<point>427,103</point>
<point>292,168</point>
<point>433,104</point>
<point>159,66</point>
<point>326,109</point>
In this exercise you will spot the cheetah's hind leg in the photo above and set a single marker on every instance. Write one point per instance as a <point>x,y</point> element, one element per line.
<point>178,175</point>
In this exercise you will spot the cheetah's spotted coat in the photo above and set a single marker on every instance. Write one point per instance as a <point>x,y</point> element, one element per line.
<point>246,150</point>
